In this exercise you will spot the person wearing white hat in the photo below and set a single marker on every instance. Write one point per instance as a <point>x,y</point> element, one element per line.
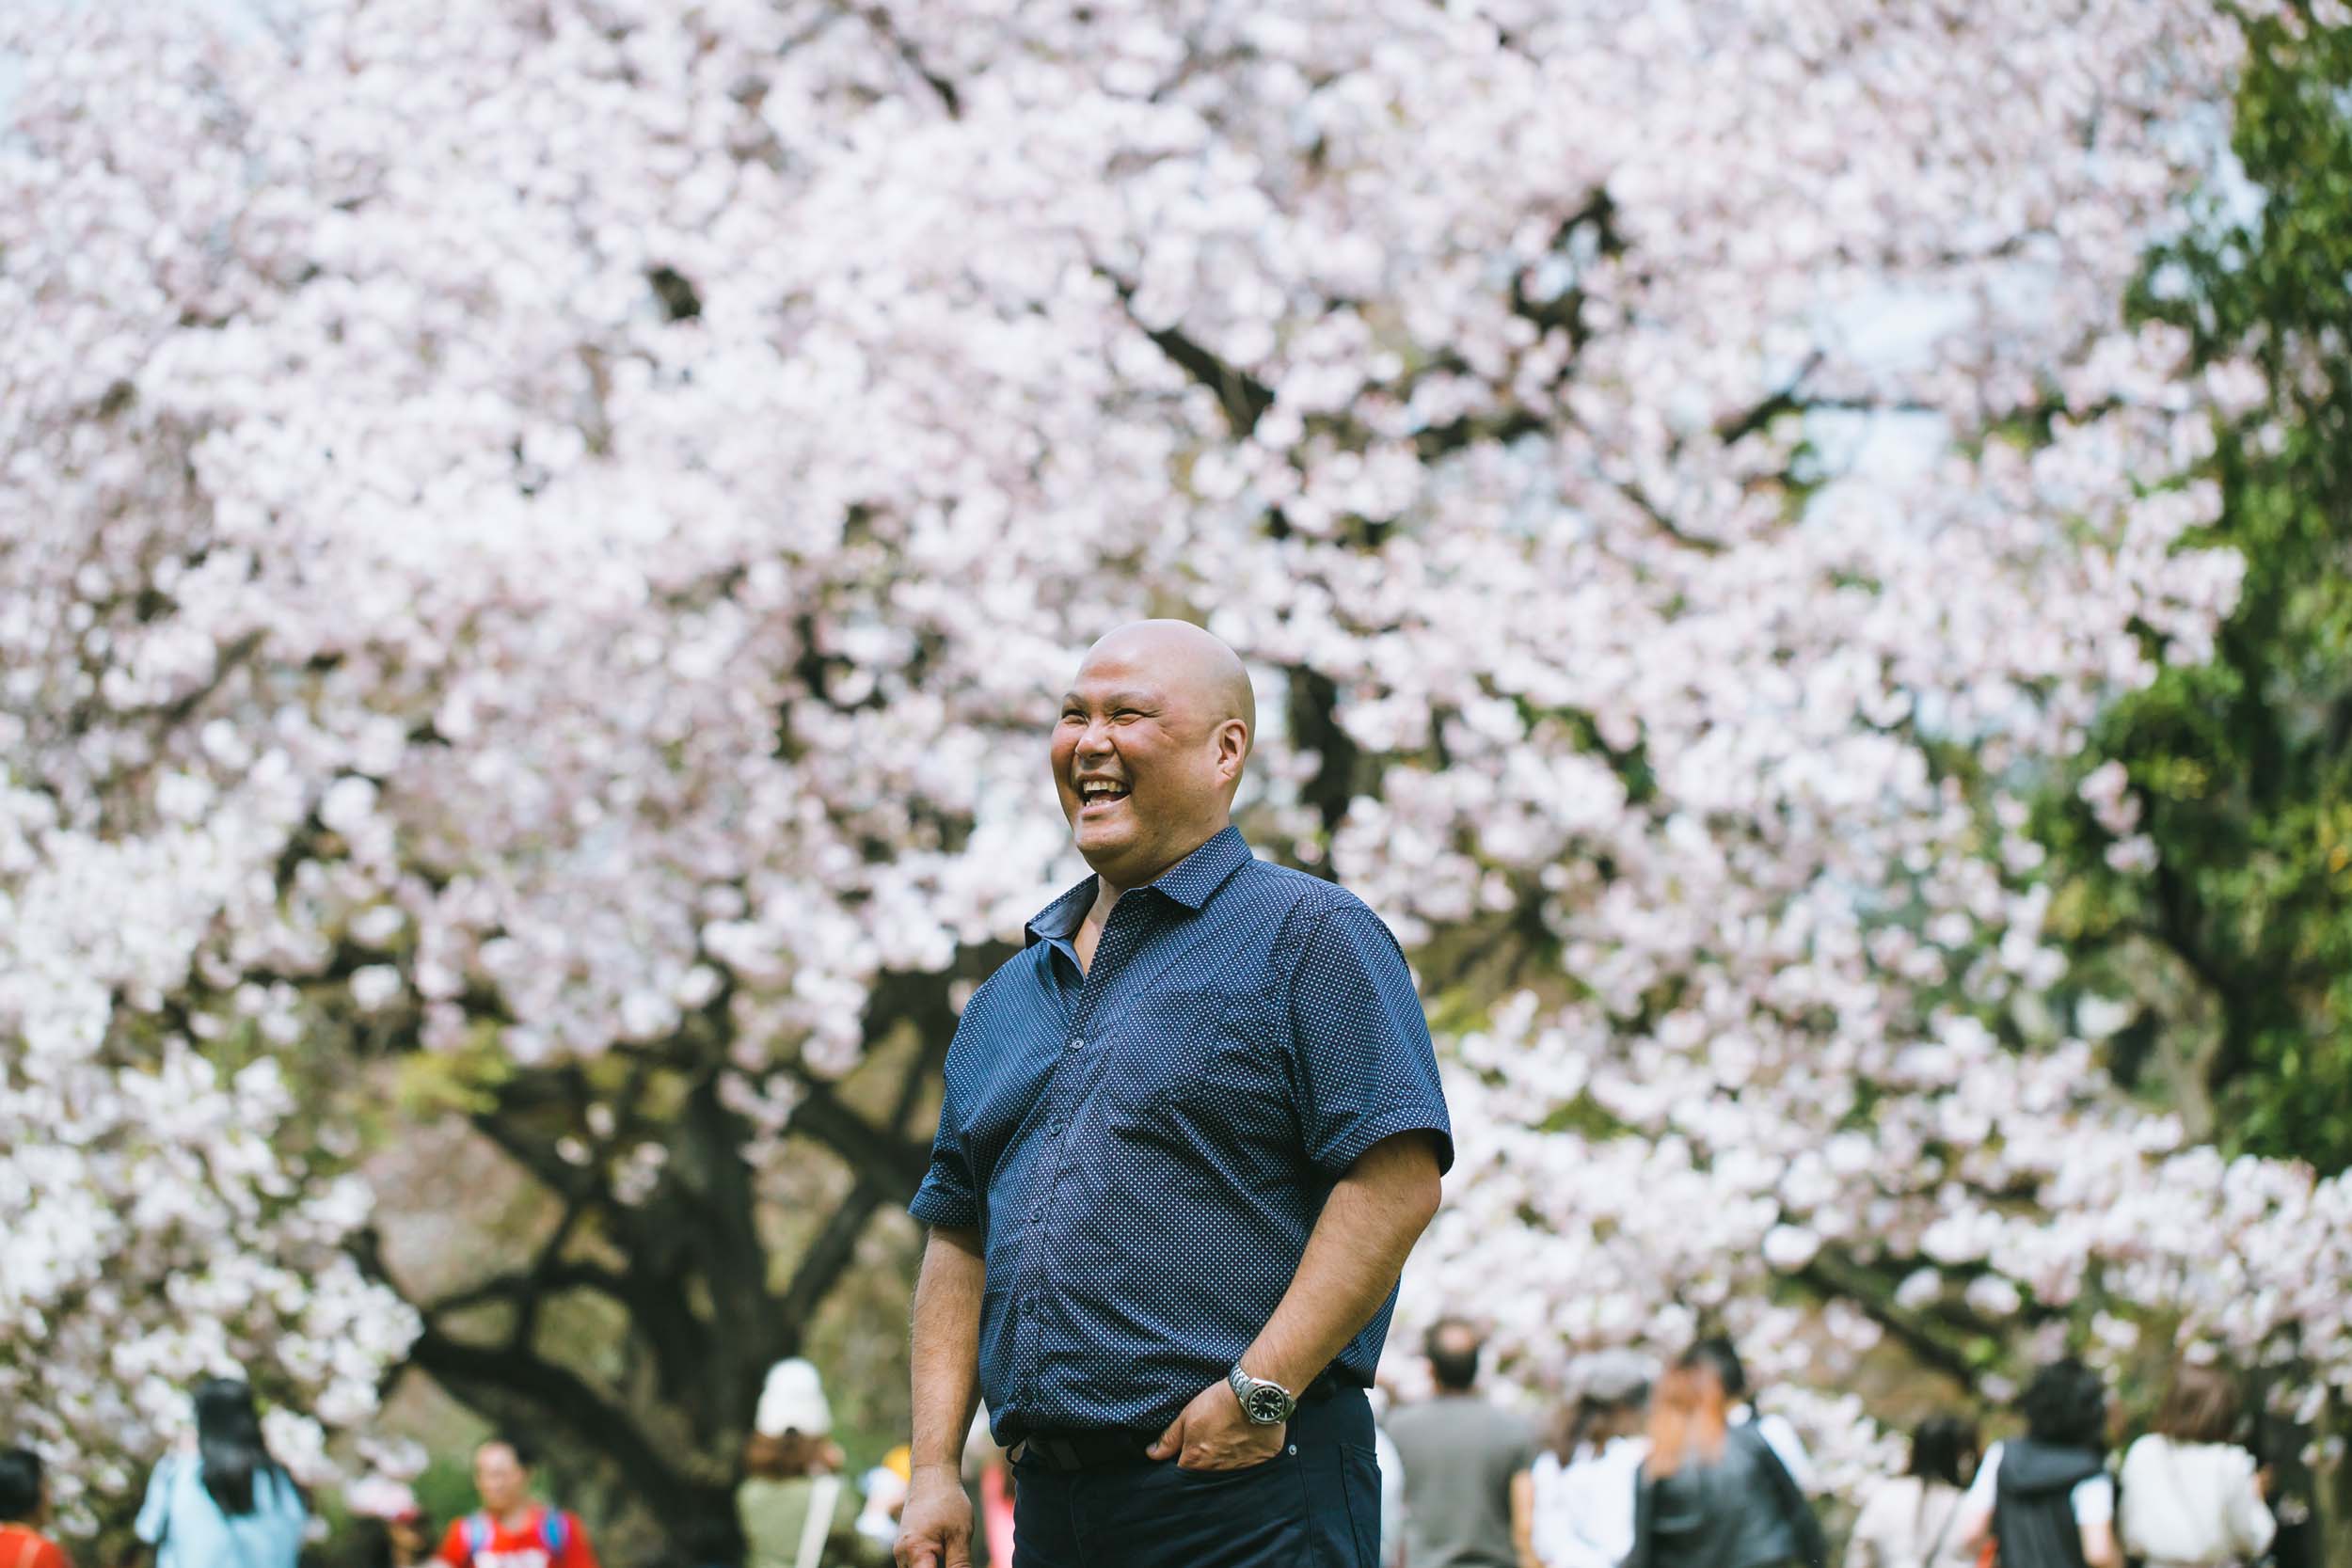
<point>793,1400</point>
<point>793,1500</point>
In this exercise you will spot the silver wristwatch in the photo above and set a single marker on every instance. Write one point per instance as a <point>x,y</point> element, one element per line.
<point>1267,1404</point>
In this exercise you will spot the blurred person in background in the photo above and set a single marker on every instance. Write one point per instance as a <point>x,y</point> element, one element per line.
<point>1718,1352</point>
<point>390,1522</point>
<point>886,1489</point>
<point>1391,1499</point>
<point>988,1480</point>
<point>1574,1509</point>
<point>24,1513</point>
<point>2281,1459</point>
<point>1463,1458</point>
<point>2046,1499</point>
<point>794,1501</point>
<point>1912,1520</point>
<point>229,1504</point>
<point>2191,1498</point>
<point>511,1528</point>
<point>1713,1494</point>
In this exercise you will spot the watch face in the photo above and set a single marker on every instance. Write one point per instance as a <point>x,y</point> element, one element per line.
<point>1266,1405</point>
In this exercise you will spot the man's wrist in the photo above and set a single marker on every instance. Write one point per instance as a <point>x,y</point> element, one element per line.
<point>1258,1364</point>
<point>1263,1401</point>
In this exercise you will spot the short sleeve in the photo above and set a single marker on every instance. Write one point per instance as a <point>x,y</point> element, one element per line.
<point>454,1545</point>
<point>2093,1500</point>
<point>1365,1068</point>
<point>156,1509</point>
<point>947,1197</point>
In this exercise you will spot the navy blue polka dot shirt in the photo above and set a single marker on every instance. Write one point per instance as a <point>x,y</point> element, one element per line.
<point>1146,1144</point>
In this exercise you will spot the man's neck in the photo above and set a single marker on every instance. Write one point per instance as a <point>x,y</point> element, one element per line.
<point>519,1516</point>
<point>1107,888</point>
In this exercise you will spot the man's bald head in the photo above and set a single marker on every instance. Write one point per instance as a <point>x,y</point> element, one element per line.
<point>1210,674</point>
<point>1150,747</point>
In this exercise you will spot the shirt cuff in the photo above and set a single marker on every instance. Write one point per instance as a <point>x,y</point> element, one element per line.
<point>948,1211</point>
<point>1362,1136</point>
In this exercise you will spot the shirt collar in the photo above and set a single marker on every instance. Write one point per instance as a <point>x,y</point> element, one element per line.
<point>1189,882</point>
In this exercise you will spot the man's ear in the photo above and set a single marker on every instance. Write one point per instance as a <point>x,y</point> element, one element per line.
<point>1234,741</point>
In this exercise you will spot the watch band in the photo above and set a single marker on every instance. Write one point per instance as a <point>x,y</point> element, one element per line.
<point>1262,1403</point>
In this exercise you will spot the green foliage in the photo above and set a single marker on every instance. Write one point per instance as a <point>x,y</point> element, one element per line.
<point>2242,767</point>
<point>465,1081</point>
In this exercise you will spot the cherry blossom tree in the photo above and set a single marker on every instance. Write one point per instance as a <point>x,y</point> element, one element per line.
<point>542,538</point>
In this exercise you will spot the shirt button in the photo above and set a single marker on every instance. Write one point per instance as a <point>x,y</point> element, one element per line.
<point>1076,1044</point>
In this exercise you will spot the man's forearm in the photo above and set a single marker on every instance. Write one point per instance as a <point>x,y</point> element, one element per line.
<point>946,1345</point>
<point>1357,1248</point>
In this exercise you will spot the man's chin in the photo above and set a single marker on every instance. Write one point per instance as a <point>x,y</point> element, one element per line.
<point>1103,843</point>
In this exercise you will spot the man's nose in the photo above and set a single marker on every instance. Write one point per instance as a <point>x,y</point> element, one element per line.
<point>1095,739</point>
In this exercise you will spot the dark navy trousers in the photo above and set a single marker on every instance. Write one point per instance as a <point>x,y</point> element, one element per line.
<point>1317,1504</point>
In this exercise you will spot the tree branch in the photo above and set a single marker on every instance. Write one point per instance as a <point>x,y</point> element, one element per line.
<point>822,1116</point>
<point>473,1370</point>
<point>831,1253</point>
<point>1242,396</point>
<point>1831,1276</point>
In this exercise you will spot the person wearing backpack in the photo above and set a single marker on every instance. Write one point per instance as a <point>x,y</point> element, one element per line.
<point>229,1504</point>
<point>512,1529</point>
<point>24,1513</point>
<point>2192,1497</point>
<point>2046,1499</point>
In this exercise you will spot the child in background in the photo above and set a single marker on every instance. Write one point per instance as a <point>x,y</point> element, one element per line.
<point>395,1531</point>
<point>24,1513</point>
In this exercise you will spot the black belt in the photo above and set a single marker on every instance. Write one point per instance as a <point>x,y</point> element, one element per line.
<point>1120,1447</point>
<point>1086,1448</point>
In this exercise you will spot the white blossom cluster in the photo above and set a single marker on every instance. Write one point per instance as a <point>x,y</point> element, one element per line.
<point>157,1230</point>
<point>527,523</point>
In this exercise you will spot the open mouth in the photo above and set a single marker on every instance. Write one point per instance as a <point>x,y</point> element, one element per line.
<point>1099,795</point>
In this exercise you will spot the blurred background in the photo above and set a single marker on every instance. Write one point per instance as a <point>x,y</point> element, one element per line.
<point>1798,551</point>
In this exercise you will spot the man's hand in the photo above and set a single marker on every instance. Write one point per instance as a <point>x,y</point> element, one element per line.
<point>935,1527</point>
<point>1212,1434</point>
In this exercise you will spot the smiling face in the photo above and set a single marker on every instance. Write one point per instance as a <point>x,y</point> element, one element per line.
<point>1149,748</point>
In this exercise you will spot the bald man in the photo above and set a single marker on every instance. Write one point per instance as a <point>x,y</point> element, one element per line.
<point>1190,1133</point>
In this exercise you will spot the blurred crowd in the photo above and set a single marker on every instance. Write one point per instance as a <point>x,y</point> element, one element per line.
<point>1675,1467</point>
<point>1643,1466</point>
